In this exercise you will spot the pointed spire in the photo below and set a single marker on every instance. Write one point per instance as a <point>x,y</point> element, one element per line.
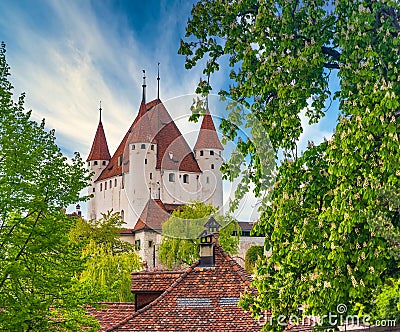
<point>144,87</point>
<point>99,150</point>
<point>208,137</point>
<point>158,81</point>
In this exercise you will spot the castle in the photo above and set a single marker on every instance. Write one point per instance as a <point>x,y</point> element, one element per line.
<point>153,172</point>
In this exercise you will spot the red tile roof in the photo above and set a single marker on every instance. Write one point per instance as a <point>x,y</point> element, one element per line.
<point>154,281</point>
<point>110,312</point>
<point>200,299</point>
<point>208,137</point>
<point>154,124</point>
<point>99,150</point>
<point>152,216</point>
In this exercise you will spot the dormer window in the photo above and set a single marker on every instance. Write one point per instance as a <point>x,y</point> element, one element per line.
<point>185,178</point>
<point>143,146</point>
<point>211,153</point>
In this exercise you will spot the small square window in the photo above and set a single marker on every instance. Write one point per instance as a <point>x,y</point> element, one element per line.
<point>104,163</point>
<point>143,146</point>
<point>201,153</point>
<point>211,153</point>
<point>152,147</point>
<point>133,147</point>
<point>95,162</point>
<point>171,177</point>
<point>185,178</point>
<point>150,244</point>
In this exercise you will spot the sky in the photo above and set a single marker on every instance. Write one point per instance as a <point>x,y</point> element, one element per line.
<point>67,55</point>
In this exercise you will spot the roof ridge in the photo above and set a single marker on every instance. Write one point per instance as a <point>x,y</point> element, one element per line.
<point>158,299</point>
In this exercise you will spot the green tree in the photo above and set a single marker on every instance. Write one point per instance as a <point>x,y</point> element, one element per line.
<point>180,244</point>
<point>333,234</point>
<point>253,254</point>
<point>38,262</point>
<point>109,260</point>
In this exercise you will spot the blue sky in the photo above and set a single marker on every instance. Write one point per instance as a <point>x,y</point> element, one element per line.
<point>68,55</point>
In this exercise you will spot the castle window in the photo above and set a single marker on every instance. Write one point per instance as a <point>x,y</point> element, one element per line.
<point>185,178</point>
<point>133,147</point>
<point>171,177</point>
<point>151,176</point>
<point>145,161</point>
<point>104,163</point>
<point>88,163</point>
<point>95,162</point>
<point>152,147</point>
<point>201,153</point>
<point>94,189</point>
<point>150,244</point>
<point>211,153</point>
<point>105,185</point>
<point>115,183</point>
<point>122,215</point>
<point>137,244</point>
<point>143,146</point>
<point>212,166</point>
<point>207,179</point>
<point>101,187</point>
<point>220,153</point>
<point>110,184</point>
<point>120,160</point>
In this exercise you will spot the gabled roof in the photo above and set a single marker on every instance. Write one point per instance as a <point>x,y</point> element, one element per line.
<point>152,216</point>
<point>200,299</point>
<point>110,312</point>
<point>113,168</point>
<point>99,150</point>
<point>154,124</point>
<point>208,137</point>
<point>173,152</point>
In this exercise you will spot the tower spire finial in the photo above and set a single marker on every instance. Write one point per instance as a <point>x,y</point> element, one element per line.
<point>144,87</point>
<point>158,81</point>
<point>100,109</point>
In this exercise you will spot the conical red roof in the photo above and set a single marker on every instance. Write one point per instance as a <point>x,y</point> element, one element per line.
<point>99,149</point>
<point>208,137</point>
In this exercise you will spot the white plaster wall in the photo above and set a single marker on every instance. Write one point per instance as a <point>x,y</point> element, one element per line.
<point>211,179</point>
<point>178,192</point>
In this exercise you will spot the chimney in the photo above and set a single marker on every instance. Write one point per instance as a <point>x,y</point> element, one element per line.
<point>208,238</point>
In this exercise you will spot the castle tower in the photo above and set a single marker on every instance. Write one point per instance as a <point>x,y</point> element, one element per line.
<point>98,159</point>
<point>208,152</point>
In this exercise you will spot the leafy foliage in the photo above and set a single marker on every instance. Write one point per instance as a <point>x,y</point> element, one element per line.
<point>109,260</point>
<point>332,221</point>
<point>180,244</point>
<point>253,254</point>
<point>38,262</point>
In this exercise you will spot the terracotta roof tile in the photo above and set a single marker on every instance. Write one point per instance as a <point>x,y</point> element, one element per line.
<point>200,299</point>
<point>99,150</point>
<point>111,312</point>
<point>208,137</point>
<point>153,281</point>
<point>152,216</point>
